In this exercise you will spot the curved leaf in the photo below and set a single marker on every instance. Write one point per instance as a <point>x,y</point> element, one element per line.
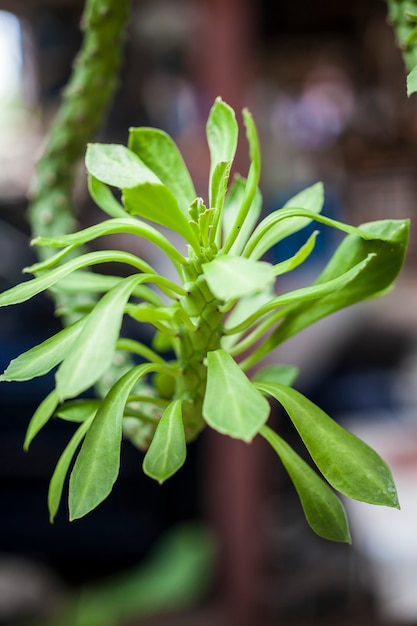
<point>376,276</point>
<point>298,258</point>
<point>104,198</point>
<point>232,204</point>
<point>349,464</point>
<point>42,415</point>
<point>159,152</point>
<point>31,288</point>
<point>232,405</point>
<point>251,183</point>
<point>168,449</point>
<point>323,510</point>
<point>110,227</point>
<point>56,484</point>
<point>285,221</point>
<point>40,359</point>
<point>97,466</point>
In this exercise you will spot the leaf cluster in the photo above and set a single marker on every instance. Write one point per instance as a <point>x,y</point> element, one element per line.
<point>212,325</point>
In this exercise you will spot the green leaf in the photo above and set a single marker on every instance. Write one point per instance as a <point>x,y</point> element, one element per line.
<point>56,484</point>
<point>219,182</point>
<point>304,294</point>
<point>118,166</point>
<point>31,288</point>
<point>286,221</point>
<point>158,151</point>
<point>232,404</point>
<point>92,351</point>
<point>232,204</point>
<point>157,203</point>
<point>376,275</point>
<point>251,188</point>
<point>222,133</point>
<point>283,374</point>
<point>97,466</point>
<point>349,464</point>
<point>244,308</point>
<point>298,258</point>
<point>104,198</point>
<point>42,358</point>
<point>322,508</point>
<point>168,449</point>
<point>77,410</point>
<point>110,227</point>
<point>412,81</point>
<point>100,283</point>
<point>232,277</point>
<point>42,415</point>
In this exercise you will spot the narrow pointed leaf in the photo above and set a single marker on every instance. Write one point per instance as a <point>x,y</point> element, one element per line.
<point>100,283</point>
<point>158,151</point>
<point>110,227</point>
<point>93,350</point>
<point>104,198</point>
<point>31,288</point>
<point>157,203</point>
<point>97,466</point>
<point>349,464</point>
<point>252,182</point>
<point>232,277</point>
<point>232,404</point>
<point>118,166</point>
<point>42,415</point>
<point>168,449</point>
<point>298,258</point>
<point>304,294</point>
<point>232,204</point>
<point>275,229</point>
<point>56,484</point>
<point>322,508</point>
<point>386,257</point>
<point>42,358</point>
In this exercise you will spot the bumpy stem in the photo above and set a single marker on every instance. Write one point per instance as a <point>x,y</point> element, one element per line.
<point>404,26</point>
<point>192,347</point>
<point>85,102</point>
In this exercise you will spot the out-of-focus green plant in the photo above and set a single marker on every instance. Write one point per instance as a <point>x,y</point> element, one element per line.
<point>220,318</point>
<point>403,16</point>
<point>177,574</point>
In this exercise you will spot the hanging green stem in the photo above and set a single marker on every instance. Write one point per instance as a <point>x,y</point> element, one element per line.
<point>85,102</point>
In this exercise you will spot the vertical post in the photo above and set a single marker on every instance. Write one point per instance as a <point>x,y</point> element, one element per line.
<point>222,59</point>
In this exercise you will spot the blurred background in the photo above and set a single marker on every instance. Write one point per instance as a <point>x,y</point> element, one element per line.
<point>225,541</point>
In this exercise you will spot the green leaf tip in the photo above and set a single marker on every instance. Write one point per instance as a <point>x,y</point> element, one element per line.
<point>323,510</point>
<point>347,462</point>
<point>167,451</point>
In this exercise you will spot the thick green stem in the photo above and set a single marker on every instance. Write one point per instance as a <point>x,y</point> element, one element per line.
<point>200,304</point>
